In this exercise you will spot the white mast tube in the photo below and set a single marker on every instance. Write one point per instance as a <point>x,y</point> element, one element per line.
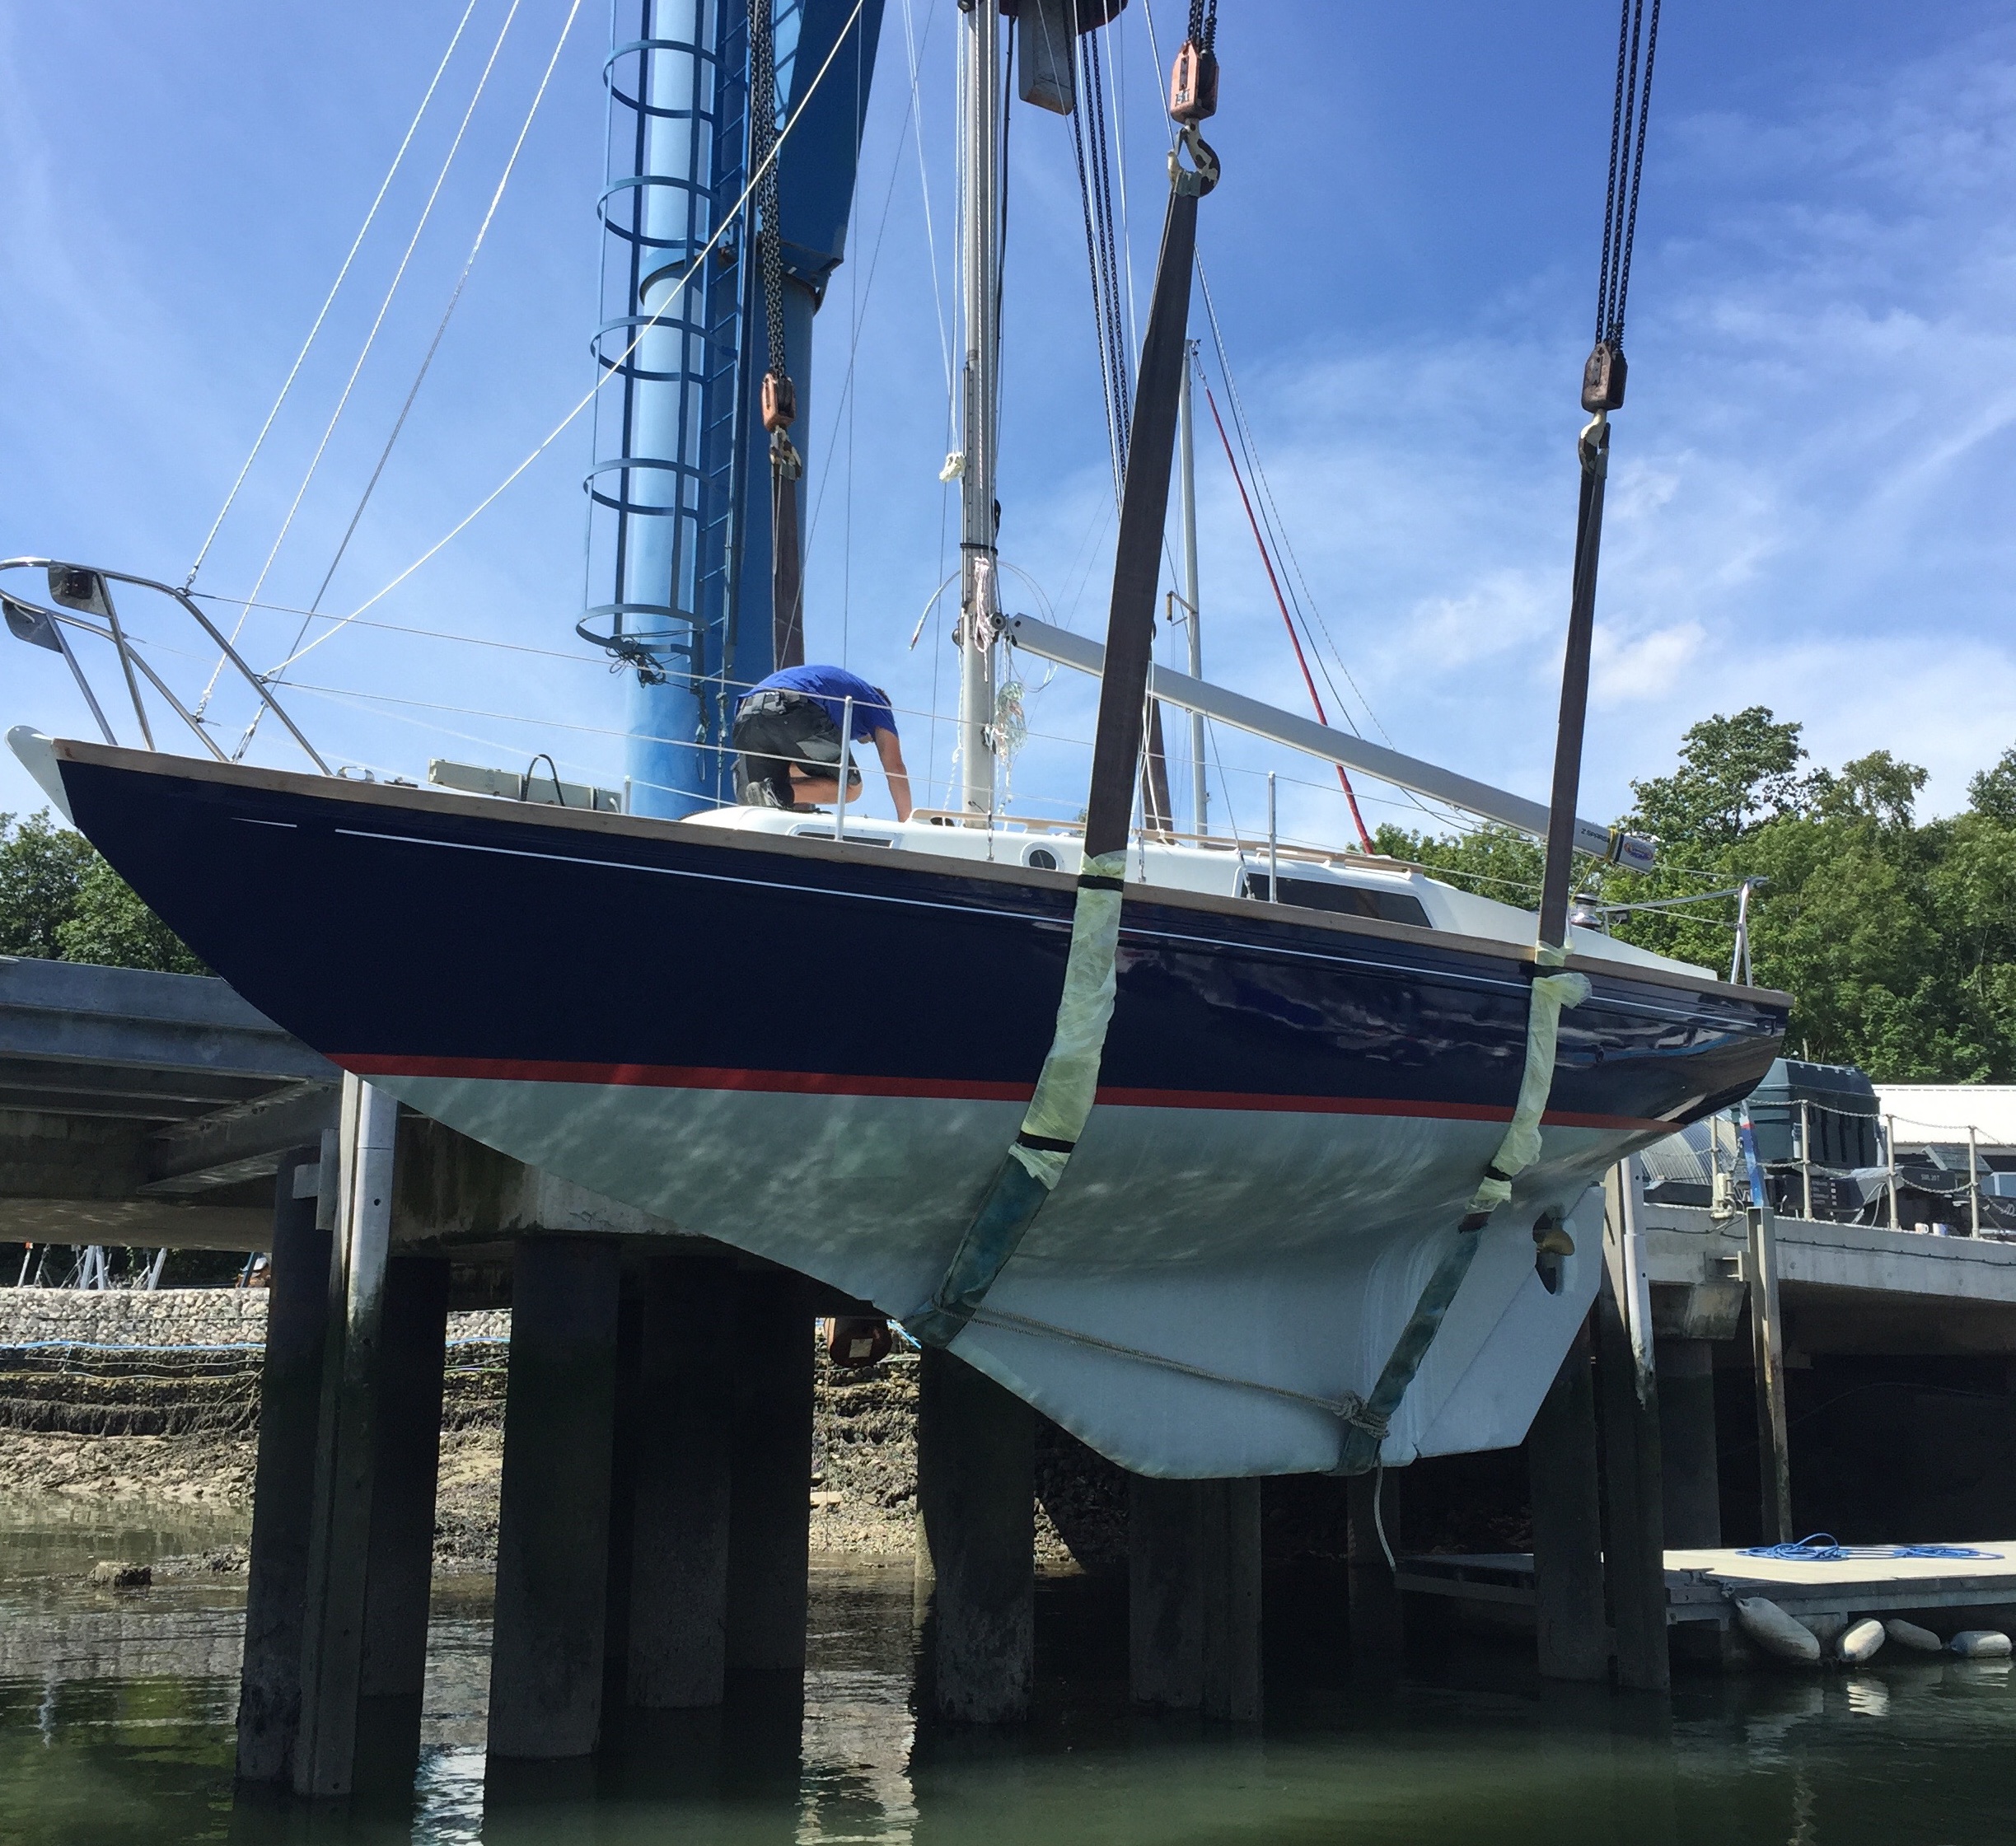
<point>979,258</point>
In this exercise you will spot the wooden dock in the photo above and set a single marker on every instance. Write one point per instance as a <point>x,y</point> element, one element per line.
<point>1702,1587</point>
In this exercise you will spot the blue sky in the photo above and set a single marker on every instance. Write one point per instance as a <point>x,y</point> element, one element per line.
<point>1809,488</point>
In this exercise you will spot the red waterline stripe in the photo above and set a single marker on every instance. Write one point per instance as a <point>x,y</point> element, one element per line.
<point>684,1077</point>
<point>792,1083</point>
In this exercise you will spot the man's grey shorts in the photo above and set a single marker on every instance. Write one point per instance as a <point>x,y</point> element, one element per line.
<point>775,730</point>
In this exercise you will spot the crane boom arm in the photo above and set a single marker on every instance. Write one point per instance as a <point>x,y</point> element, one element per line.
<point>1260,720</point>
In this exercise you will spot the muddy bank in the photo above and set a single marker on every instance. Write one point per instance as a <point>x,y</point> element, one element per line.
<point>215,1473</point>
<point>864,1476</point>
<point>126,1395</point>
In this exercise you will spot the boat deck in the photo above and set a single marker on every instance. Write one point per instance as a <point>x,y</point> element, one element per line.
<point>1701,1587</point>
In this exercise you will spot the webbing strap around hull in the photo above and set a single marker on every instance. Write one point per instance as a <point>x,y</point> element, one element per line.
<point>1070,1079</point>
<point>1365,1428</point>
<point>1056,1115</point>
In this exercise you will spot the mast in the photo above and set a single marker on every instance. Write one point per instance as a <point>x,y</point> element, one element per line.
<point>980,69</point>
<point>679,551</point>
<point>1186,485</point>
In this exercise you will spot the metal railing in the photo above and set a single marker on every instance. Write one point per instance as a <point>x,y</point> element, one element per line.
<point>78,592</point>
<point>1911,1167</point>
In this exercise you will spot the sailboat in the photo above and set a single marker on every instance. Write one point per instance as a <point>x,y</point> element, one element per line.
<point>1295,1070</point>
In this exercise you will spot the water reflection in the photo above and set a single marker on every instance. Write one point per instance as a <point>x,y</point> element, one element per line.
<point>116,1709</point>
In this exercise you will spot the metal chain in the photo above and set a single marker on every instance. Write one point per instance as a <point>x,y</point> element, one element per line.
<point>1637,168</point>
<point>1631,108</point>
<point>1610,191</point>
<point>1203,24</point>
<point>762,144</point>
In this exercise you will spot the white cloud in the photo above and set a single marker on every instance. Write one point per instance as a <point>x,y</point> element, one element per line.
<point>1647,666</point>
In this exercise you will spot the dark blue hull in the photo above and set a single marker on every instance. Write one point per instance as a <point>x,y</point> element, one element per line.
<point>405,931</point>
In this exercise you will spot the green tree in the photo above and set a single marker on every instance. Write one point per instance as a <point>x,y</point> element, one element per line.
<point>1992,793</point>
<point>1493,862</point>
<point>1734,775</point>
<point>41,865</point>
<point>1896,938</point>
<point>61,901</point>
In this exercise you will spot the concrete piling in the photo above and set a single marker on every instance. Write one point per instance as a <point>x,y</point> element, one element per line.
<point>1165,1593</point>
<point>412,1338</point>
<point>770,1511</point>
<point>1634,1520</point>
<point>976,1545</point>
<point>1232,1608</point>
<point>1572,1635</point>
<point>669,1529</point>
<point>1194,1601</point>
<point>1692,1477</point>
<point>333,1619</point>
<point>1768,1368</point>
<point>284,1486</point>
<point>552,1530</point>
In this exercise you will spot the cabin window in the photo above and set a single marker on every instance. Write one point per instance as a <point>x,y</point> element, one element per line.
<point>1339,900</point>
<point>849,839</point>
<point>1042,858</point>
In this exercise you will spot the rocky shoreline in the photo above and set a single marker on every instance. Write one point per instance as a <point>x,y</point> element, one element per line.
<point>126,1396</point>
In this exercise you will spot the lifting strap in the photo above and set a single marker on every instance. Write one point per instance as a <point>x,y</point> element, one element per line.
<point>780,395</point>
<point>1070,1080</point>
<point>1365,1425</point>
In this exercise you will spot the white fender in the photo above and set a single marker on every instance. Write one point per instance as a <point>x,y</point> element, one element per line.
<point>1909,1634</point>
<point>1775,1631</point>
<point>1861,1641</point>
<point>1981,1644</point>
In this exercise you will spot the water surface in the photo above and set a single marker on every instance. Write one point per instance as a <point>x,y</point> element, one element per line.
<point>116,1708</point>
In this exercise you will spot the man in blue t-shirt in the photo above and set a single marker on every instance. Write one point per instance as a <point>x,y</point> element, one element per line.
<point>787,739</point>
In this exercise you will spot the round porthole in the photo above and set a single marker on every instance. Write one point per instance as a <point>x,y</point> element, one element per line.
<point>1042,858</point>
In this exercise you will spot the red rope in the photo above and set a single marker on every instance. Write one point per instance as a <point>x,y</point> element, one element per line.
<point>1294,640</point>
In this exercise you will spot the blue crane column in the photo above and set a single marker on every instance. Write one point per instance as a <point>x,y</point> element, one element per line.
<point>679,544</point>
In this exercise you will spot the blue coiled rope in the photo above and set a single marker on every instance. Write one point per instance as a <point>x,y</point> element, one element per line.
<point>1823,1548</point>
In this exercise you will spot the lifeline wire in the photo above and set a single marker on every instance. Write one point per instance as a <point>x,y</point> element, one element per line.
<point>911,51</point>
<point>672,295</point>
<point>329,300</point>
<point>604,730</point>
<point>433,346</point>
<point>928,714</point>
<point>1343,781</point>
<point>398,276</point>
